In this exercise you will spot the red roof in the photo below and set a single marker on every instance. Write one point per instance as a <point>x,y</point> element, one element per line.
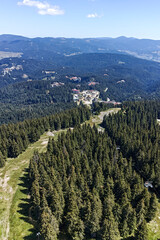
<point>75,90</point>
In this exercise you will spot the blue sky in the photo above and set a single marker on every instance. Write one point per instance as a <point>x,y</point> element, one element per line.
<point>81,18</point>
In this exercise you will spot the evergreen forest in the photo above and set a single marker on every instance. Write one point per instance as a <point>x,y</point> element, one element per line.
<point>91,184</point>
<point>27,87</point>
<point>15,138</point>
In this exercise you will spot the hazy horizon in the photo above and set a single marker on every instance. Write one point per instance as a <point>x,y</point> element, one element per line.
<point>18,35</point>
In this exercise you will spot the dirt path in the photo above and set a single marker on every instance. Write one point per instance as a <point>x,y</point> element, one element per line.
<point>99,118</point>
<point>107,112</point>
<point>6,194</point>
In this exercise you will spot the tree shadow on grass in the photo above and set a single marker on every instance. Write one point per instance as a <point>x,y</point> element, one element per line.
<point>24,206</point>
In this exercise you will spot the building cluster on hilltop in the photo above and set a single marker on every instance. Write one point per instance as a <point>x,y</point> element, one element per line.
<point>86,97</point>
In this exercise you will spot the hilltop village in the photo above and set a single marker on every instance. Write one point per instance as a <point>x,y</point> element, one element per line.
<point>87,97</point>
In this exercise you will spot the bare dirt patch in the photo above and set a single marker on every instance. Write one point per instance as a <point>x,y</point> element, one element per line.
<point>44,142</point>
<point>50,134</point>
<point>3,182</point>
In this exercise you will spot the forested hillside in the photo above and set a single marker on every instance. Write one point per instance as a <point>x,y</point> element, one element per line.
<point>34,99</point>
<point>84,188</point>
<point>136,130</point>
<point>15,138</point>
<point>143,71</point>
<point>26,81</point>
<point>48,46</point>
<point>32,88</point>
<point>90,184</point>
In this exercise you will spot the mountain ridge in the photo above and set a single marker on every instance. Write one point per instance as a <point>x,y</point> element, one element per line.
<point>143,48</point>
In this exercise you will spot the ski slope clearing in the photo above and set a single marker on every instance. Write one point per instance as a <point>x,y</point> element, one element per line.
<point>14,196</point>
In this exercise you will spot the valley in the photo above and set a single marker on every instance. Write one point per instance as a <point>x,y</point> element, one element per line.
<point>32,88</point>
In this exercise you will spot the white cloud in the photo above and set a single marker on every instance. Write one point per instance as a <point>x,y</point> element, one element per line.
<point>93,15</point>
<point>43,8</point>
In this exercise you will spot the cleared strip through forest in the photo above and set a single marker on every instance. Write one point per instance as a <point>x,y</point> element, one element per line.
<point>14,196</point>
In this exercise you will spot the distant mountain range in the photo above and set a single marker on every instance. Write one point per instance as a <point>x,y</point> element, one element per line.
<point>42,48</point>
<point>107,61</point>
<point>31,70</point>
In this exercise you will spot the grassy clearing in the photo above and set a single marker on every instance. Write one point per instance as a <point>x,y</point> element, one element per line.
<point>154,226</point>
<point>15,223</point>
<point>14,198</point>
